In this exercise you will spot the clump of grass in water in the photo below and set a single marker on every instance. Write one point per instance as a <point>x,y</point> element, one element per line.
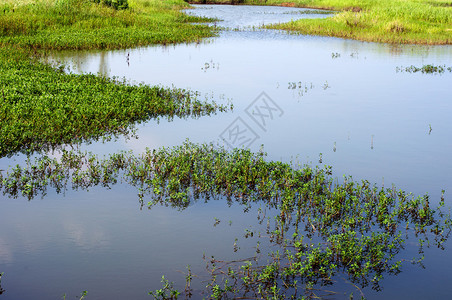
<point>43,108</point>
<point>425,69</point>
<point>321,230</point>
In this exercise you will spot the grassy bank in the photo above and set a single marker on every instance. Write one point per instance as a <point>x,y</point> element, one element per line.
<point>83,24</point>
<point>42,107</point>
<point>395,21</point>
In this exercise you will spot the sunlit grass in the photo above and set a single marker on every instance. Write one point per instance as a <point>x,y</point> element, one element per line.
<point>395,21</point>
<point>82,24</point>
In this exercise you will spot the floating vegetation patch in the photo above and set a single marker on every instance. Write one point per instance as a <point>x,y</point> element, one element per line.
<point>211,65</point>
<point>322,229</point>
<point>299,85</point>
<point>302,88</point>
<point>43,108</point>
<point>426,69</point>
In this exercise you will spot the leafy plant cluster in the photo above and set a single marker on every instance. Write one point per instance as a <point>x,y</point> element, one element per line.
<point>322,228</point>
<point>425,69</point>
<point>42,108</point>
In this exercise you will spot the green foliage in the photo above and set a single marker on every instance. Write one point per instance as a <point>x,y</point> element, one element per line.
<point>43,107</point>
<point>167,292</point>
<point>81,24</point>
<point>425,69</point>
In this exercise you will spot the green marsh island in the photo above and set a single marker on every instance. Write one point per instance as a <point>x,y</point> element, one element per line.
<point>170,149</point>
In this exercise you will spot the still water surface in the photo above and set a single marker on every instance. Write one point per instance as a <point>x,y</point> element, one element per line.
<point>305,99</point>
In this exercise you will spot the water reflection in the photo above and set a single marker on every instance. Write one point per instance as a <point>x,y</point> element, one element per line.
<point>6,255</point>
<point>103,64</point>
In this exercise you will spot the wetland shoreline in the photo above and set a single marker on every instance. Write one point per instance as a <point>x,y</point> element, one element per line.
<point>394,22</point>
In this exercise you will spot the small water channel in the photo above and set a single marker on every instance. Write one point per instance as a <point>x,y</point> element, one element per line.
<point>306,99</point>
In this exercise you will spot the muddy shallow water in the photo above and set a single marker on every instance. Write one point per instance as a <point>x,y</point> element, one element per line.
<point>305,99</point>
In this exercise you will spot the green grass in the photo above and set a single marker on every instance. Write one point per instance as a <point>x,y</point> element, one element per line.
<point>395,21</point>
<point>82,24</point>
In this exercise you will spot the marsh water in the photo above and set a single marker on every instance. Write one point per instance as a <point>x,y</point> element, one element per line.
<point>304,99</point>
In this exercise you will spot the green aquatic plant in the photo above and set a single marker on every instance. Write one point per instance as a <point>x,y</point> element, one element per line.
<point>43,107</point>
<point>167,292</point>
<point>322,228</point>
<point>425,69</point>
